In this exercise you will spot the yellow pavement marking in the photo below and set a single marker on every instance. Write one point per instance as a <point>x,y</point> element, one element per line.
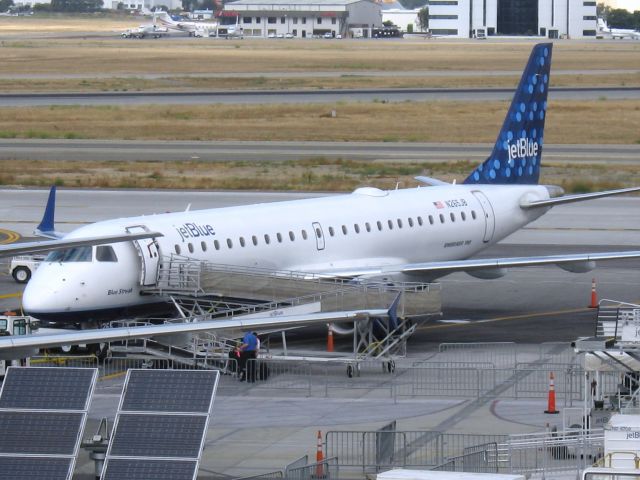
<point>112,375</point>
<point>11,295</point>
<point>506,318</point>
<point>11,236</point>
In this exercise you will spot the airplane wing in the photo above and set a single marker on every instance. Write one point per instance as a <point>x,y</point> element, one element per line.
<point>482,267</point>
<point>25,342</point>
<point>59,244</point>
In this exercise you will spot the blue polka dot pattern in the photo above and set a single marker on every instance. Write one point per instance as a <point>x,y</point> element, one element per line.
<point>517,153</point>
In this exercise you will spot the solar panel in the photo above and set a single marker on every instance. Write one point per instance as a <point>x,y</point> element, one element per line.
<point>151,435</point>
<point>39,433</point>
<point>35,468</point>
<point>137,469</point>
<point>47,388</point>
<point>169,391</point>
<point>42,414</point>
<point>161,424</point>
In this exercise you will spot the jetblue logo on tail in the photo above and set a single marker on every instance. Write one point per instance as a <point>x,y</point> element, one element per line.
<point>522,148</point>
<point>517,152</point>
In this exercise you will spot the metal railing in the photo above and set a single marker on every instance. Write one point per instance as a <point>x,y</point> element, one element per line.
<point>327,469</point>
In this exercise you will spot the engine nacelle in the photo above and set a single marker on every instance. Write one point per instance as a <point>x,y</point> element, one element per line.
<point>578,267</point>
<point>487,273</point>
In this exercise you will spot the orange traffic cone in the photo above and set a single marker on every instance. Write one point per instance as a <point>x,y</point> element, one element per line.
<point>319,456</point>
<point>594,295</point>
<point>551,403</point>
<point>330,340</point>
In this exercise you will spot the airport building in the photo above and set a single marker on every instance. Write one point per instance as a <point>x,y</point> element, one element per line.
<point>545,18</point>
<point>305,18</point>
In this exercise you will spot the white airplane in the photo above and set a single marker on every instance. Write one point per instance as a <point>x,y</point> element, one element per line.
<point>190,28</point>
<point>618,33</point>
<point>101,270</point>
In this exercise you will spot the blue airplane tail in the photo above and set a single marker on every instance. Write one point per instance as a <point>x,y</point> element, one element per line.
<point>516,155</point>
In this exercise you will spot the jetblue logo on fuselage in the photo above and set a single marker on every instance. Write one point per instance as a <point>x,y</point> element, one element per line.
<point>523,147</point>
<point>194,230</point>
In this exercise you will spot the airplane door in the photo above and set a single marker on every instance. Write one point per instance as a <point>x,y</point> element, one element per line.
<point>149,253</point>
<point>489,217</point>
<point>317,231</point>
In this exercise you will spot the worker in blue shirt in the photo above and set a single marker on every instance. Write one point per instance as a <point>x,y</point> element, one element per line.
<point>248,350</point>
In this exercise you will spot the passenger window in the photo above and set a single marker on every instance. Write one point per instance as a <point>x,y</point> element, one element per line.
<point>331,232</point>
<point>356,227</point>
<point>410,220</point>
<point>453,216</point>
<point>379,225</point>
<point>190,246</point>
<point>216,244</point>
<point>229,243</point>
<point>463,216</point>
<point>292,237</point>
<point>367,226</point>
<point>390,223</point>
<point>419,220</point>
<point>267,239</point>
<point>399,223</point>
<point>304,234</point>
<point>105,253</point>
<point>279,237</point>
<point>473,214</point>
<point>242,244</point>
<point>344,229</point>
<point>203,246</point>
<point>177,249</point>
<point>431,219</point>
<point>441,218</point>
<point>254,239</point>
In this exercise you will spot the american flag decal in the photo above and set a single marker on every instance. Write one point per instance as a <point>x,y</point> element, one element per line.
<point>439,204</point>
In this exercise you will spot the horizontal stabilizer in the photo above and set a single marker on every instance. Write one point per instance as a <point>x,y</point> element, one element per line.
<point>577,198</point>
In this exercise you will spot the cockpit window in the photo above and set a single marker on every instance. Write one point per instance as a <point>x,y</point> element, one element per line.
<point>105,253</point>
<point>77,254</point>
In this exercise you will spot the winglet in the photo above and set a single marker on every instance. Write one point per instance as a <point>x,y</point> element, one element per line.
<point>393,311</point>
<point>47,228</point>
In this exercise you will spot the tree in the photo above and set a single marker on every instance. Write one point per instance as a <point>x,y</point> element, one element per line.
<point>387,23</point>
<point>620,18</point>
<point>602,11</point>
<point>423,19</point>
<point>5,4</point>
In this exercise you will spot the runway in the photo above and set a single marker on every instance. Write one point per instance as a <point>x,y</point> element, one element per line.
<point>222,151</point>
<point>305,96</point>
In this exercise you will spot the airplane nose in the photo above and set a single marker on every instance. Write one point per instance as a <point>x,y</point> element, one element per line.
<point>38,297</point>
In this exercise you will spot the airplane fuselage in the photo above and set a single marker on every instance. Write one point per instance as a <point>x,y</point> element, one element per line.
<point>330,235</point>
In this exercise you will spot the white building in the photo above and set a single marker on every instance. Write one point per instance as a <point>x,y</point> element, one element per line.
<point>545,18</point>
<point>405,19</point>
<point>305,18</point>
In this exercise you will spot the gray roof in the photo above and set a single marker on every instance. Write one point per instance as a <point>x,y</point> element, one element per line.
<point>292,2</point>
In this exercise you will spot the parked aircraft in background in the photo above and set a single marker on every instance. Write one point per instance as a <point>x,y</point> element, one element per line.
<point>102,270</point>
<point>618,33</point>
<point>163,18</point>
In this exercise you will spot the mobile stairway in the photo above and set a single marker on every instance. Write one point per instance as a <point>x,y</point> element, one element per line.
<point>612,360</point>
<point>202,291</point>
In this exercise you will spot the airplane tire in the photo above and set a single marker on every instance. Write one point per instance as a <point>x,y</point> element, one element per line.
<point>21,274</point>
<point>350,371</point>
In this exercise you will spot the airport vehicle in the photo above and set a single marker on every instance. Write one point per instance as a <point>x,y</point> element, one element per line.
<point>12,325</point>
<point>22,267</point>
<point>145,31</point>
<point>618,33</point>
<point>103,270</point>
<point>181,25</point>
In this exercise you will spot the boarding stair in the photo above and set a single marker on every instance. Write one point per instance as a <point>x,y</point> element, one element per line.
<point>202,291</point>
